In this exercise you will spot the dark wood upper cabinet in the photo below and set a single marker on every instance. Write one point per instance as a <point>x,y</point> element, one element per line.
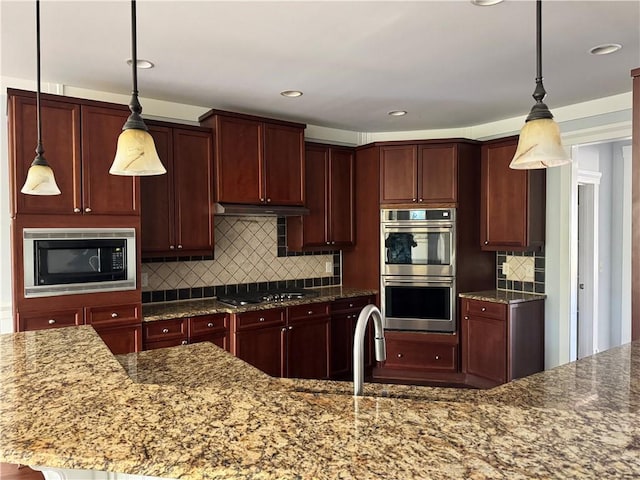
<point>421,173</point>
<point>512,201</point>
<point>80,144</point>
<point>398,174</point>
<point>329,177</point>
<point>257,160</point>
<point>177,207</point>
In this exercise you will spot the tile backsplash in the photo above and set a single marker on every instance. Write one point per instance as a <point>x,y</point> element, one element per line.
<point>248,254</point>
<point>520,271</point>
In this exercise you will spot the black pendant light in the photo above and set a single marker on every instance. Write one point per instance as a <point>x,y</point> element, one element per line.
<point>539,145</point>
<point>40,179</point>
<point>136,154</point>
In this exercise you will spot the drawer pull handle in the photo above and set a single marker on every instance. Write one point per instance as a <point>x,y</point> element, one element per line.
<point>486,242</point>
<point>437,357</point>
<point>400,355</point>
<point>179,246</point>
<point>114,315</point>
<point>171,247</point>
<point>484,309</point>
<point>51,321</point>
<point>290,328</point>
<point>165,330</point>
<point>87,210</point>
<point>466,317</point>
<point>210,324</point>
<point>261,319</point>
<point>76,210</point>
<point>310,312</point>
<point>184,342</point>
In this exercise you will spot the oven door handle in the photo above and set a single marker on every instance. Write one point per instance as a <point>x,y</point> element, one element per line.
<point>417,227</point>
<point>418,283</point>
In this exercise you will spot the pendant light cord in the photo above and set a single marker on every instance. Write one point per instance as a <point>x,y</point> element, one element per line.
<point>134,48</point>
<point>539,40</point>
<point>39,147</point>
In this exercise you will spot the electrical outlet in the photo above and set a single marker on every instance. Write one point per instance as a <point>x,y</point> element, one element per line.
<point>505,268</point>
<point>328,267</point>
<point>144,279</point>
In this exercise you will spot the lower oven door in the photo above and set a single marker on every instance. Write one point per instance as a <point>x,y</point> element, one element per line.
<point>419,303</point>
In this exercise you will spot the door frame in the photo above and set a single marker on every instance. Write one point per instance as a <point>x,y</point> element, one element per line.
<point>588,234</point>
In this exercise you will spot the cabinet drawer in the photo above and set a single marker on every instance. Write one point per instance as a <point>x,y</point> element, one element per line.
<point>165,330</point>
<point>419,355</point>
<point>310,310</point>
<point>165,343</point>
<point>59,318</point>
<point>113,314</point>
<point>354,303</point>
<point>259,318</point>
<point>486,309</point>
<point>206,324</point>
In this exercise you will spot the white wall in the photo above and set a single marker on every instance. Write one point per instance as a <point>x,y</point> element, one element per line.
<point>603,119</point>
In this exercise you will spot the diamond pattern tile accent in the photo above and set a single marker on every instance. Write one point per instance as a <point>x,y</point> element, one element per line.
<point>245,252</point>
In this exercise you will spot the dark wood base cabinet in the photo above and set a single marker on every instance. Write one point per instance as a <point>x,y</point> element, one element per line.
<point>172,332</point>
<point>501,342</point>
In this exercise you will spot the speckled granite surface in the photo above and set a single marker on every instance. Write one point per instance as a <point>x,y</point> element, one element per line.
<point>189,308</point>
<point>502,296</point>
<point>196,412</point>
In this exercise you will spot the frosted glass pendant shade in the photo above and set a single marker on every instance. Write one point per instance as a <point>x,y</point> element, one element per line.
<point>539,146</point>
<point>40,181</point>
<point>136,155</point>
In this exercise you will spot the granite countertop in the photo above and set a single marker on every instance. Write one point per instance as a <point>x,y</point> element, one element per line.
<point>191,308</point>
<point>503,296</point>
<point>196,412</point>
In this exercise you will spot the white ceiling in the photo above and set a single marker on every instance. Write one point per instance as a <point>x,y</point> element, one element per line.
<point>448,63</point>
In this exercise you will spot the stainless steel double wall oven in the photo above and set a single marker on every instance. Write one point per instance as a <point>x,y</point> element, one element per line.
<point>418,265</point>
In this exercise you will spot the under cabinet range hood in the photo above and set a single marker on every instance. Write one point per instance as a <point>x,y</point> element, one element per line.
<point>237,209</point>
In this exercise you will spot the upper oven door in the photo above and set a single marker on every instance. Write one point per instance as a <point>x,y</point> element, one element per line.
<point>417,249</point>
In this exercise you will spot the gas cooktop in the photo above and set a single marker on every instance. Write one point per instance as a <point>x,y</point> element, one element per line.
<point>265,296</point>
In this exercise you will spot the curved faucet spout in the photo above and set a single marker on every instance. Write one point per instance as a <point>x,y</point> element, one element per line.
<point>358,344</point>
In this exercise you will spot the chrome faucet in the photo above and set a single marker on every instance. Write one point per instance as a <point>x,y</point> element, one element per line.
<point>358,344</point>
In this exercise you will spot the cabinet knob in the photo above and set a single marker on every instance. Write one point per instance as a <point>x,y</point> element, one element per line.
<point>114,315</point>
<point>484,309</point>
<point>400,355</point>
<point>262,199</point>
<point>179,246</point>
<point>310,312</point>
<point>290,328</point>
<point>165,330</point>
<point>333,243</point>
<point>328,243</point>
<point>283,329</point>
<point>466,317</point>
<point>261,319</point>
<point>437,357</point>
<point>268,200</point>
<point>413,199</point>
<point>420,200</point>
<point>351,305</point>
<point>51,321</point>
<point>486,242</point>
<point>87,210</point>
<point>184,342</point>
<point>171,247</point>
<point>76,210</point>
<point>210,324</point>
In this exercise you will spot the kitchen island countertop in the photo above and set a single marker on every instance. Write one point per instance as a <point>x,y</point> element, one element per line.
<point>197,412</point>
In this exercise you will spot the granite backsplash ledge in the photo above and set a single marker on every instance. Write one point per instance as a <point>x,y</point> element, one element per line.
<point>250,254</point>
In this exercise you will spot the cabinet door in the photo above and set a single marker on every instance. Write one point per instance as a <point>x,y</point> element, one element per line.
<point>103,193</point>
<point>122,339</point>
<point>263,348</point>
<point>437,174</point>
<point>398,174</point>
<point>315,225</point>
<point>341,355</point>
<point>484,350</point>
<point>308,349</point>
<point>284,166</point>
<point>61,142</point>
<point>341,197</point>
<point>157,200</point>
<point>192,157</point>
<point>238,160</point>
<point>504,199</point>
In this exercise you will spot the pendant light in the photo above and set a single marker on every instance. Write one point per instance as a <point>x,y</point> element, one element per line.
<point>40,179</point>
<point>539,145</point>
<point>136,153</point>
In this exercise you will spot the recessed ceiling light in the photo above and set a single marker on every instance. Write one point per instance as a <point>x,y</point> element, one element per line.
<point>291,93</point>
<point>397,113</point>
<point>605,49</point>
<point>142,63</point>
<point>486,3</point>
